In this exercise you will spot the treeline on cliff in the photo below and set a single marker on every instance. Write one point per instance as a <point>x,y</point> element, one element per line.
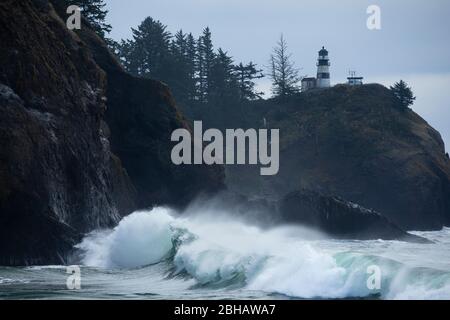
<point>197,73</point>
<point>207,83</point>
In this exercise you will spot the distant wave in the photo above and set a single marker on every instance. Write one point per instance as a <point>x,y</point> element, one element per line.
<point>219,252</point>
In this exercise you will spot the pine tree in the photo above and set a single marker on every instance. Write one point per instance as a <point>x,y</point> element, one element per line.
<point>179,45</point>
<point>126,52</point>
<point>150,50</point>
<point>200,72</point>
<point>180,80</point>
<point>245,75</point>
<point>222,79</point>
<point>196,74</point>
<point>205,54</point>
<point>403,94</point>
<point>191,67</point>
<point>284,75</point>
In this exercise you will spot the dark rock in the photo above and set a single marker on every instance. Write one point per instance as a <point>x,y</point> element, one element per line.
<point>58,176</point>
<point>142,115</point>
<point>339,218</point>
<point>255,211</point>
<point>355,143</point>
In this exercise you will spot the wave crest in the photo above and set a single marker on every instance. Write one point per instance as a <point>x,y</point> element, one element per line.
<point>226,253</point>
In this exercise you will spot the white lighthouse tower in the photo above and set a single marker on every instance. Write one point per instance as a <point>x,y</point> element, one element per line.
<point>323,69</point>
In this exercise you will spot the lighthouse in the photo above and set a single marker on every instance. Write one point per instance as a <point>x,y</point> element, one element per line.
<point>323,69</point>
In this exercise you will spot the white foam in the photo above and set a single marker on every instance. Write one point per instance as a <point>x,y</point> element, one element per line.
<point>216,250</point>
<point>421,292</point>
<point>270,260</point>
<point>140,239</point>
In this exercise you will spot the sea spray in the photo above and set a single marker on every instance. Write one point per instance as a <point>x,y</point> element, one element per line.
<point>140,239</point>
<point>226,254</point>
<point>218,252</point>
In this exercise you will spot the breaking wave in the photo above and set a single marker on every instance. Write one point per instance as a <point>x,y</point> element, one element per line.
<point>219,252</point>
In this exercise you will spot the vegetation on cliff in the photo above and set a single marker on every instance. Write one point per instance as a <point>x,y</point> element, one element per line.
<point>357,143</point>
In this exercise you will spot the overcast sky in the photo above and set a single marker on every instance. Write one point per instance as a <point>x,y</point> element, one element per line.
<point>413,43</point>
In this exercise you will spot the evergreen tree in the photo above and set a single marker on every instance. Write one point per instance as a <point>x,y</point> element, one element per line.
<point>205,59</point>
<point>284,75</point>
<point>191,67</point>
<point>200,72</point>
<point>179,45</point>
<point>222,79</point>
<point>196,74</point>
<point>403,94</point>
<point>127,54</point>
<point>245,75</point>
<point>149,50</point>
<point>181,78</point>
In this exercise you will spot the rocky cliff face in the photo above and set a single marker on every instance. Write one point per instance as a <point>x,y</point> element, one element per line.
<point>354,142</point>
<point>58,176</point>
<point>141,116</point>
<point>56,167</point>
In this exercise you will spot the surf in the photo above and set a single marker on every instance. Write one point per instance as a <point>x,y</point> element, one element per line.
<point>218,252</point>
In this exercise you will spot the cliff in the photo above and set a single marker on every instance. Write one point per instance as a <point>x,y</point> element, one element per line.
<point>141,116</point>
<point>70,129</point>
<point>355,143</point>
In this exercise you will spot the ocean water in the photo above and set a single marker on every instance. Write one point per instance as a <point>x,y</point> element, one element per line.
<point>160,255</point>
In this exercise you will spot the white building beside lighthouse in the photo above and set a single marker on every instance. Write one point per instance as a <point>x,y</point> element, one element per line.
<point>323,69</point>
<point>353,80</point>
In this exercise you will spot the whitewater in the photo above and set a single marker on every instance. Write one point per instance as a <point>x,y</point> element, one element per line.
<point>160,254</point>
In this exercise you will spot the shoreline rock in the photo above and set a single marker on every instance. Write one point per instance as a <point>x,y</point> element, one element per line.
<point>340,219</point>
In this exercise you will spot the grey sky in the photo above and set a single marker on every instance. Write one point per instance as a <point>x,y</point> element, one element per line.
<point>413,43</point>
